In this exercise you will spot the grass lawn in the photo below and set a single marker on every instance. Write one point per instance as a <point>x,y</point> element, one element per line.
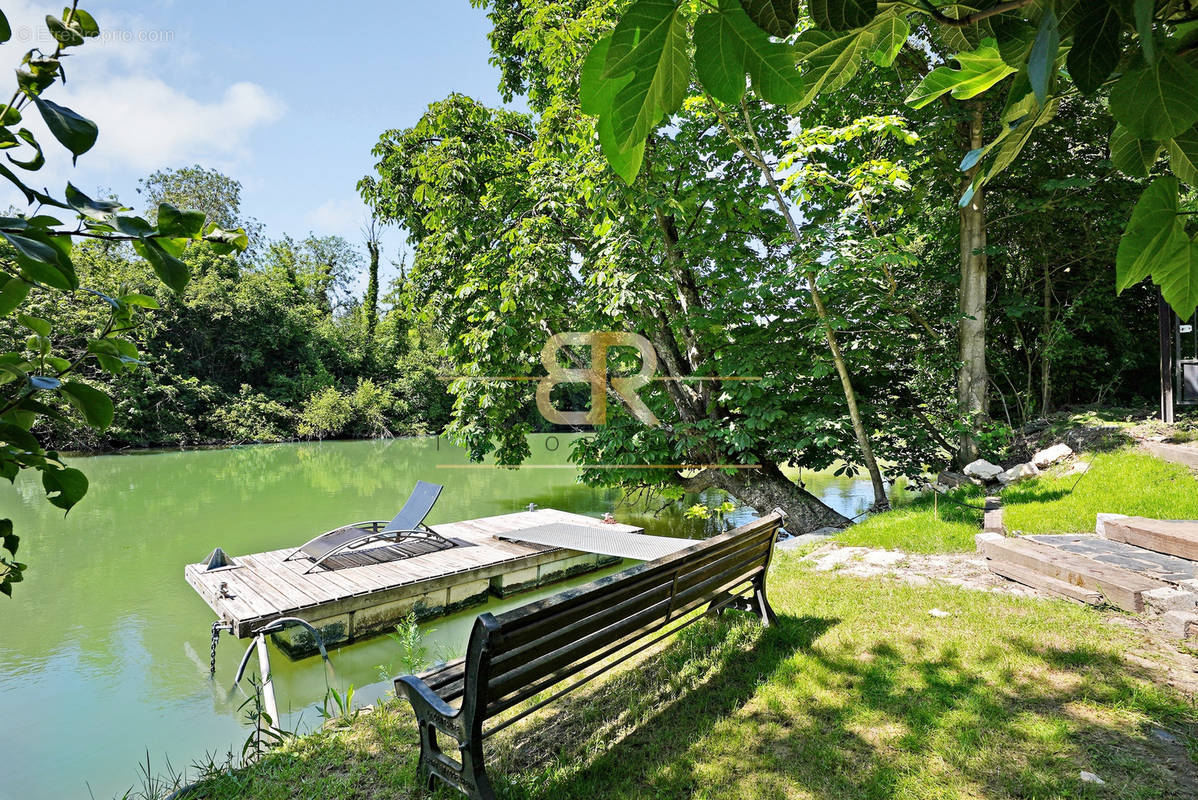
<point>921,523</point>
<point>858,693</point>
<point>1119,482</point>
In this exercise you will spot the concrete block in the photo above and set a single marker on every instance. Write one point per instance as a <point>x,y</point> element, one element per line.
<point>1182,623</point>
<point>1100,522</point>
<point>981,538</point>
<point>1169,598</point>
<point>465,594</point>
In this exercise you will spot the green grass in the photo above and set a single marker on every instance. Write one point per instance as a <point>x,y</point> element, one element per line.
<point>857,694</point>
<point>1120,482</point>
<point>921,523</point>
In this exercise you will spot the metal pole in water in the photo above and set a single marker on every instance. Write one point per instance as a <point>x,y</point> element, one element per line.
<point>268,685</point>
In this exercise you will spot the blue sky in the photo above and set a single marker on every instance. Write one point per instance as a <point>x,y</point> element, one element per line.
<point>288,97</point>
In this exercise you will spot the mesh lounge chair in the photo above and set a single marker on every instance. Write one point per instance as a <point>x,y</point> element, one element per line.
<point>408,525</point>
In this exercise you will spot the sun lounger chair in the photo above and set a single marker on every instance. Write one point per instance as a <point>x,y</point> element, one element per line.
<point>408,525</point>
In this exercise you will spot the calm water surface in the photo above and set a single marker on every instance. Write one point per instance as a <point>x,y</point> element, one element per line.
<point>104,649</point>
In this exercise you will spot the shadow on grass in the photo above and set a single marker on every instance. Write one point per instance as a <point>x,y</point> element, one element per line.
<point>1033,493</point>
<point>775,717</point>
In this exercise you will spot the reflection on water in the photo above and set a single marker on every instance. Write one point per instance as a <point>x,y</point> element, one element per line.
<point>105,647</point>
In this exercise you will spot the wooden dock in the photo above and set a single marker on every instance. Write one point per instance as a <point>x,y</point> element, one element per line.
<point>371,589</point>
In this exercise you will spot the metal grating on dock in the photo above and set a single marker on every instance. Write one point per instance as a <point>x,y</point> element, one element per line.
<point>599,539</point>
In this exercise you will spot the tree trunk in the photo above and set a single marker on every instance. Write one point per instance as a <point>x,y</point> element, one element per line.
<point>972,378</point>
<point>1045,344</point>
<point>767,488</point>
<point>370,304</point>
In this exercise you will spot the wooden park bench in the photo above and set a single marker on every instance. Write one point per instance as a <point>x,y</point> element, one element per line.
<point>579,634</point>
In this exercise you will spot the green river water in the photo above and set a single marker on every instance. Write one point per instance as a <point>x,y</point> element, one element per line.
<point>104,647</point>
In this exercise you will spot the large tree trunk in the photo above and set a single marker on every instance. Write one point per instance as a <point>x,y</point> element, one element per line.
<point>370,304</point>
<point>972,378</point>
<point>767,488</point>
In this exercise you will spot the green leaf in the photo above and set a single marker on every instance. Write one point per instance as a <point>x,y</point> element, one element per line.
<point>224,241</point>
<point>728,43</point>
<point>1154,237</point>
<point>41,262</point>
<point>639,35</point>
<point>980,69</point>
<point>626,161</point>
<point>1015,37</point>
<point>1041,62</point>
<point>85,23</point>
<point>99,210</point>
<point>140,300</point>
<point>842,15</point>
<point>39,159</point>
<point>1183,156</point>
<point>74,132</point>
<point>5,28</point>
<point>829,60</point>
<point>1157,102</point>
<point>170,270</point>
<point>175,223</point>
<point>1143,10</point>
<point>595,93</point>
<point>661,74</point>
<point>64,486</point>
<point>891,36</point>
<point>8,539</point>
<point>1131,155</point>
<point>12,294</point>
<point>36,324</point>
<point>1095,52</point>
<point>1179,281</point>
<point>95,405</point>
<point>775,17</point>
<point>64,36</point>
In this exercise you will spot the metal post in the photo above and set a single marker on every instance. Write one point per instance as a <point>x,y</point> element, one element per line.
<point>268,684</point>
<point>1166,316</point>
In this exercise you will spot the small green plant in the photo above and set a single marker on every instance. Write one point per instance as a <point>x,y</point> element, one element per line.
<point>339,708</point>
<point>719,514</point>
<point>265,733</point>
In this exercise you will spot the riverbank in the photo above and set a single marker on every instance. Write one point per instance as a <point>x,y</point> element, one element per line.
<point>859,692</point>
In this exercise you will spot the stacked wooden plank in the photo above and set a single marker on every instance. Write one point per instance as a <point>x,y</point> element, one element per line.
<point>1071,575</point>
<point>1173,537</point>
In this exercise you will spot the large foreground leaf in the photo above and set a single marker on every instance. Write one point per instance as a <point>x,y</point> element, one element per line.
<point>728,44</point>
<point>842,15</point>
<point>650,41</point>
<point>775,17</point>
<point>980,69</point>
<point>1095,52</point>
<point>1154,242</point>
<point>1131,155</point>
<point>829,60</point>
<point>1157,102</point>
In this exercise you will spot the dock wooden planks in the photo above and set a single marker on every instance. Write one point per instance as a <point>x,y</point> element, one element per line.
<point>1176,538</point>
<point>264,586</point>
<point>1121,587</point>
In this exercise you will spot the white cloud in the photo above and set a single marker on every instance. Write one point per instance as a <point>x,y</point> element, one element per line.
<point>341,215</point>
<point>145,122</point>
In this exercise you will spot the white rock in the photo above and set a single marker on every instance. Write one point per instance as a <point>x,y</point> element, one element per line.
<point>936,612</point>
<point>1018,473</point>
<point>1050,456</point>
<point>1076,468</point>
<point>983,469</point>
<point>1090,777</point>
<point>884,558</point>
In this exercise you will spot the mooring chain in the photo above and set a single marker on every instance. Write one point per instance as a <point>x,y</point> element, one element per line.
<point>217,627</point>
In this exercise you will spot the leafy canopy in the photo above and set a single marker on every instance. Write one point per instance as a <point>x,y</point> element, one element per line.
<point>1144,52</point>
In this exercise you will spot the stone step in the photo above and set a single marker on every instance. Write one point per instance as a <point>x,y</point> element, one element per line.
<point>1172,537</point>
<point>1121,587</point>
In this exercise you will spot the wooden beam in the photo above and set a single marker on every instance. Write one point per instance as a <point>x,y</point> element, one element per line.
<point>1038,580</point>
<point>1179,538</point>
<point>1121,587</point>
